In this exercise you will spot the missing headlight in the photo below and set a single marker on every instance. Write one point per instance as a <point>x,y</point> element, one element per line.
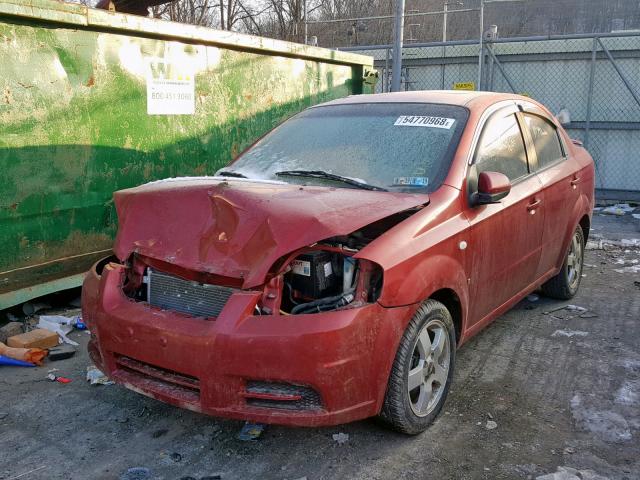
<point>328,279</point>
<point>317,281</point>
<point>315,274</point>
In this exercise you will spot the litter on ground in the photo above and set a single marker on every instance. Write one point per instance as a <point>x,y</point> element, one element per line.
<point>61,352</point>
<point>12,362</point>
<point>59,379</point>
<point>569,311</point>
<point>59,324</point>
<point>341,438</point>
<point>30,356</point>
<point>618,209</point>
<point>251,431</point>
<point>96,377</point>
<point>575,308</point>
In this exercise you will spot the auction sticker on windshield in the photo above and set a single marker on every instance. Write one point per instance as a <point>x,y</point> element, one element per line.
<point>422,121</point>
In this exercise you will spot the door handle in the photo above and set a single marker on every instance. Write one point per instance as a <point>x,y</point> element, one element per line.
<point>575,181</point>
<point>534,204</point>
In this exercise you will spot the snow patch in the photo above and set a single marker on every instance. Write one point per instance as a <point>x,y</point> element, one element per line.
<point>569,333</point>
<point>628,393</point>
<point>629,269</point>
<point>568,473</point>
<point>609,426</point>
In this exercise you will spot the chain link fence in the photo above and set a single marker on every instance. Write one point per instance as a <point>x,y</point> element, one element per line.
<point>596,79</point>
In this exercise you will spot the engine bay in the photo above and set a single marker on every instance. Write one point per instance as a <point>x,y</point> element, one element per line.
<point>328,277</point>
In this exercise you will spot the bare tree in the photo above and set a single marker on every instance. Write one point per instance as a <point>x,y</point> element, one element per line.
<point>285,19</point>
<point>195,12</point>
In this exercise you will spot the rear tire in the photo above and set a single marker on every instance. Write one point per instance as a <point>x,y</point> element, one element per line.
<point>566,283</point>
<point>422,370</point>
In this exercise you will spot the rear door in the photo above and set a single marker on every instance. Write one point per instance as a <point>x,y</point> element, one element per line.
<point>557,173</point>
<point>506,237</point>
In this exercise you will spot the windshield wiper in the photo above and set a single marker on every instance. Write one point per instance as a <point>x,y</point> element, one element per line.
<point>329,176</point>
<point>229,173</point>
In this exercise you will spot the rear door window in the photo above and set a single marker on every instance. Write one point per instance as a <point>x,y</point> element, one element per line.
<point>501,148</point>
<point>545,139</point>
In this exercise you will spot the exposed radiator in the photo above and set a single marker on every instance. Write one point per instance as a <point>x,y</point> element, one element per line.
<point>173,293</point>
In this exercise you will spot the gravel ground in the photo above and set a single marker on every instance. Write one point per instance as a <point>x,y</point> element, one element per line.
<point>561,385</point>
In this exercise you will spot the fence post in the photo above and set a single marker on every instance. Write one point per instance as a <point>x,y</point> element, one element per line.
<point>481,52</point>
<point>385,79</point>
<point>444,56</point>
<point>482,71</point>
<point>587,128</point>
<point>491,69</point>
<point>397,46</point>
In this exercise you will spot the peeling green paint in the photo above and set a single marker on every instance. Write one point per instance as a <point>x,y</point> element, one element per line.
<point>74,125</point>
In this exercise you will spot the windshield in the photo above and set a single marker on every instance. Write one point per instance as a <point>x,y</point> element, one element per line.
<point>402,147</point>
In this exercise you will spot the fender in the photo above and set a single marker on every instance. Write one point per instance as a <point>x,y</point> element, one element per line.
<point>386,345</point>
<point>430,274</point>
<point>451,278</point>
<point>428,252</point>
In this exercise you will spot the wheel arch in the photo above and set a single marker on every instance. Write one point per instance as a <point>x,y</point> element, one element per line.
<point>585,224</point>
<point>581,217</point>
<point>450,299</point>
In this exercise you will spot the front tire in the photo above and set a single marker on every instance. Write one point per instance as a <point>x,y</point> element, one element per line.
<point>422,370</point>
<point>566,283</point>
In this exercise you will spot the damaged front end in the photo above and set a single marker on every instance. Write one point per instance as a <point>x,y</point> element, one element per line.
<point>271,335</point>
<point>298,246</point>
<point>324,276</point>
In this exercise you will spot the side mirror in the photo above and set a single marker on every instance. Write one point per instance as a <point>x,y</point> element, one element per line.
<point>492,187</point>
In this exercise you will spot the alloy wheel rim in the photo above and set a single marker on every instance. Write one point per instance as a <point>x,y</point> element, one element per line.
<point>574,262</point>
<point>429,368</point>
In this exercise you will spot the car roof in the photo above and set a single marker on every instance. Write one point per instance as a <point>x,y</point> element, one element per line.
<point>465,98</point>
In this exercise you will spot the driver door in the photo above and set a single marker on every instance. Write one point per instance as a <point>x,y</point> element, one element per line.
<point>506,237</point>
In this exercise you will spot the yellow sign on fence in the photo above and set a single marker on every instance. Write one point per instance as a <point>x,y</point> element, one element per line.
<point>464,86</point>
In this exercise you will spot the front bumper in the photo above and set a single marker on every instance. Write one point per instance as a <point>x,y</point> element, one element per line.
<point>206,365</point>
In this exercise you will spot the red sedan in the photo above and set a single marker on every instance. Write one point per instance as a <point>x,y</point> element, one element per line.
<point>332,270</point>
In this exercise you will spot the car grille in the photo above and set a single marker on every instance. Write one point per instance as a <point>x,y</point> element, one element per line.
<point>185,296</point>
<point>294,397</point>
<point>148,376</point>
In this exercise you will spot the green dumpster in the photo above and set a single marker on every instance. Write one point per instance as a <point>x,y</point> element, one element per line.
<point>93,101</point>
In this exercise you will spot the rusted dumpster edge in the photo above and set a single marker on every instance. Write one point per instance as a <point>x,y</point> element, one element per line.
<point>16,297</point>
<point>79,16</point>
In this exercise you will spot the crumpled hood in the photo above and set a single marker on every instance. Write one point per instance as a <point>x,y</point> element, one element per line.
<point>239,228</point>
